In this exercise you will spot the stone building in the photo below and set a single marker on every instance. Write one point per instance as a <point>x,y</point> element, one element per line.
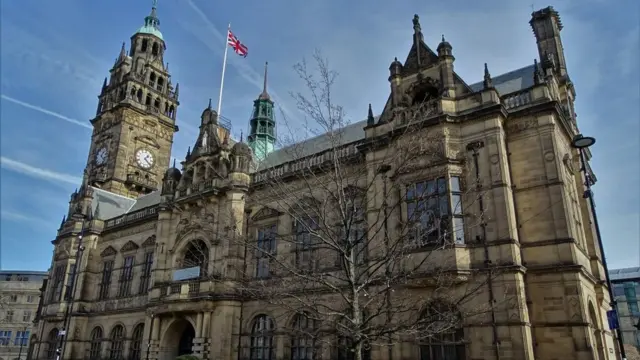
<point>140,284</point>
<point>19,300</point>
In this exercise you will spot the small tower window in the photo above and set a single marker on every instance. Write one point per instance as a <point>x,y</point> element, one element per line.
<point>139,95</point>
<point>156,103</point>
<point>171,111</point>
<point>133,92</point>
<point>154,49</point>
<point>160,84</point>
<point>152,79</point>
<point>166,108</point>
<point>148,100</point>
<point>145,43</point>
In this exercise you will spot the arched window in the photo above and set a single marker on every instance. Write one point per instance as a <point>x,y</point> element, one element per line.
<point>145,43</point>
<point>148,100</point>
<point>171,111</point>
<point>303,344</point>
<point>133,92</point>
<point>52,342</point>
<point>160,85</point>
<point>166,108</point>
<point>152,79</point>
<point>139,95</point>
<point>262,344</point>
<point>156,103</point>
<point>116,338</point>
<point>155,49</point>
<point>442,336</point>
<point>95,348</point>
<point>135,348</point>
<point>197,255</point>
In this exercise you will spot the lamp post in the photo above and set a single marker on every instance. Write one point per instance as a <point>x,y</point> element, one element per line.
<point>581,143</point>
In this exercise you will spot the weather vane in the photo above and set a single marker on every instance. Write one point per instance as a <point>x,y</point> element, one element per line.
<point>155,3</point>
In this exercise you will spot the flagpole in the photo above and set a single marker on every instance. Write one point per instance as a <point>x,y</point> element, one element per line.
<point>224,68</point>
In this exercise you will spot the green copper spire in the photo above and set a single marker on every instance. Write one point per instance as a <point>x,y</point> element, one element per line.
<point>262,126</point>
<point>152,23</point>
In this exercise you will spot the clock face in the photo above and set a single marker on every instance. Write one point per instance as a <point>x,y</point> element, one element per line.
<point>101,156</point>
<point>144,158</point>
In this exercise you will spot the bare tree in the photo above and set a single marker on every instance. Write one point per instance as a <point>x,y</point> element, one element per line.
<point>370,257</point>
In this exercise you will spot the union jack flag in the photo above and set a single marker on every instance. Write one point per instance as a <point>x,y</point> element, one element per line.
<point>239,48</point>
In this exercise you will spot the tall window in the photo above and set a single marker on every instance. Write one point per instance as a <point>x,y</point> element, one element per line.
<point>443,338</point>
<point>56,288</point>
<point>95,348</point>
<point>354,234</point>
<point>305,240</point>
<point>146,273</point>
<point>262,344</point>
<point>434,212</point>
<point>105,283</point>
<point>26,316</point>
<point>303,345</point>
<point>8,317</point>
<point>22,338</point>
<point>266,247</point>
<point>68,295</point>
<point>126,276</point>
<point>116,339</point>
<point>5,337</point>
<point>52,341</point>
<point>135,350</point>
<point>13,298</point>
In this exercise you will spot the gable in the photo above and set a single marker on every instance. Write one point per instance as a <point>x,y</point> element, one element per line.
<point>426,58</point>
<point>265,213</point>
<point>109,251</point>
<point>150,241</point>
<point>129,246</point>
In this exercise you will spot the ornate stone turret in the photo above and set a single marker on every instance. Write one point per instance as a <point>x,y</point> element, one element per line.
<point>208,159</point>
<point>446,59</point>
<point>170,181</point>
<point>546,27</point>
<point>262,126</point>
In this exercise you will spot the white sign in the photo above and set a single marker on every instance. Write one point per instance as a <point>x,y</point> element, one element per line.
<point>186,273</point>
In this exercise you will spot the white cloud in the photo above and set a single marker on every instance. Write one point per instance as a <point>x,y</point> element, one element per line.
<point>45,111</point>
<point>37,172</point>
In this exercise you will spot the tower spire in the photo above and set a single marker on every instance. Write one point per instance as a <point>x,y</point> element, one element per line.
<point>265,95</point>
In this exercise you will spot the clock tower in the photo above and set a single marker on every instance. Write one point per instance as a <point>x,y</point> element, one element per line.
<point>135,120</point>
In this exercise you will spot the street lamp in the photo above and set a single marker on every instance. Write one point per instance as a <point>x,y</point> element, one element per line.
<point>581,142</point>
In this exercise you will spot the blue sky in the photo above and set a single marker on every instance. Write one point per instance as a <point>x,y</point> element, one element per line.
<point>55,55</point>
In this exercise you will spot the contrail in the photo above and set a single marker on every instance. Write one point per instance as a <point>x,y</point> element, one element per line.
<point>47,112</point>
<point>37,172</point>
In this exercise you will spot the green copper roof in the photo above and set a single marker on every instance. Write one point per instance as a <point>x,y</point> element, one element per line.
<point>151,23</point>
<point>151,30</point>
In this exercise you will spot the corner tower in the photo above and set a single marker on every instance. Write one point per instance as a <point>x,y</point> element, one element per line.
<point>135,120</point>
<point>262,126</point>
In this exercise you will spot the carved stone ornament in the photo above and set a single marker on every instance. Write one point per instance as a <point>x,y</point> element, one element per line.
<point>129,246</point>
<point>109,251</point>
<point>568,162</point>
<point>150,241</point>
<point>265,213</point>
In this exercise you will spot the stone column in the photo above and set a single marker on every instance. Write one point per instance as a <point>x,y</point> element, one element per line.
<point>152,345</point>
<point>206,330</point>
<point>198,346</point>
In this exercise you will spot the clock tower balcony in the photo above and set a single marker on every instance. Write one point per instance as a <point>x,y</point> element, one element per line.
<point>141,183</point>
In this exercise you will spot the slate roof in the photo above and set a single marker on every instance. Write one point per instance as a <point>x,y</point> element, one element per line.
<point>113,205</point>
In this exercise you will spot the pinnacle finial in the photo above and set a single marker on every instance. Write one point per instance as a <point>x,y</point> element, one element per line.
<point>209,107</point>
<point>487,82</point>
<point>174,163</point>
<point>264,87</point>
<point>370,118</point>
<point>416,22</point>
<point>265,95</point>
<point>241,136</point>
<point>443,38</point>
<point>154,4</point>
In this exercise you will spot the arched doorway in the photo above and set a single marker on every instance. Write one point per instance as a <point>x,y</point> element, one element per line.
<point>178,339</point>
<point>596,333</point>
